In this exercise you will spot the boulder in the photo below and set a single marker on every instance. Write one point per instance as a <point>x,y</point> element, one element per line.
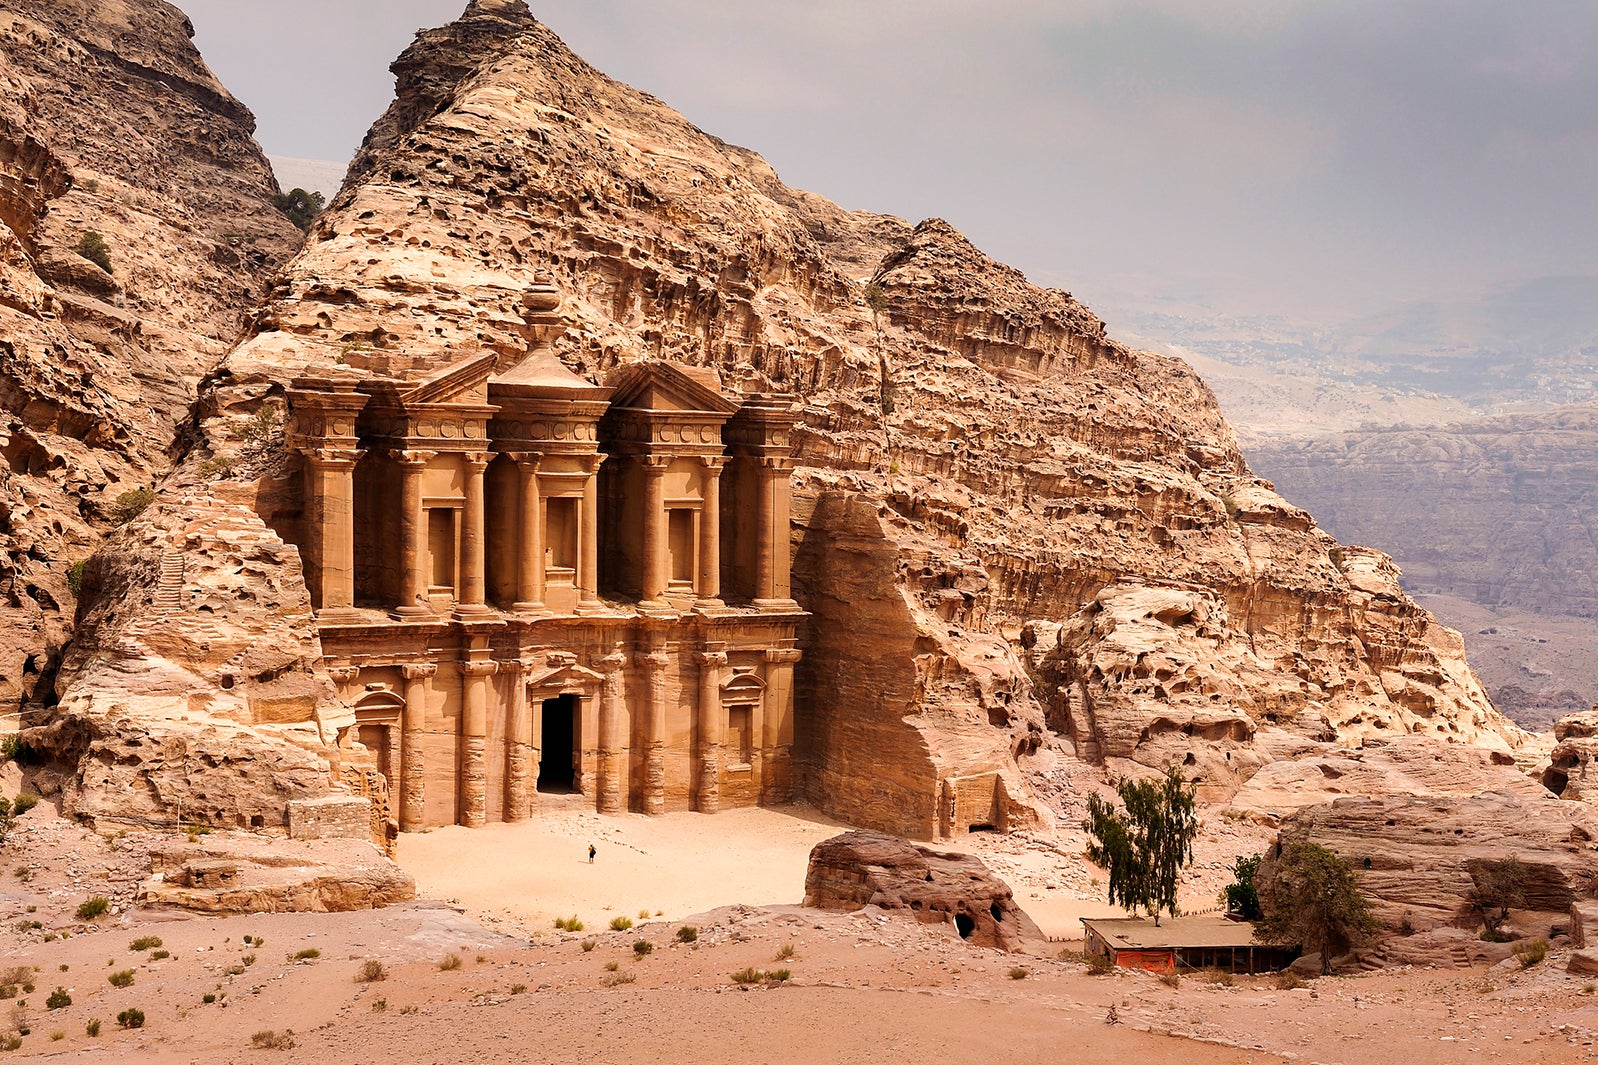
<point>859,869</point>
<point>1583,963</point>
<point>1583,923</point>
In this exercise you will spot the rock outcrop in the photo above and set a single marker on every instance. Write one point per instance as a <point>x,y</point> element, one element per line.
<point>981,468</point>
<point>859,869</point>
<point>244,874</point>
<point>1417,856</point>
<point>111,127</point>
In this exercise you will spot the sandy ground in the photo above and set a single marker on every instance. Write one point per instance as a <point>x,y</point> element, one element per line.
<point>859,986</point>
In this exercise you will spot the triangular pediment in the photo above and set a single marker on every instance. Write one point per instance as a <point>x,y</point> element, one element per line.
<point>543,375</point>
<point>658,385</point>
<point>566,676</point>
<point>461,382</point>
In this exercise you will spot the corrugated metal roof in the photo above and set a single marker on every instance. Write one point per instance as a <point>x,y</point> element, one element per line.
<point>1139,933</point>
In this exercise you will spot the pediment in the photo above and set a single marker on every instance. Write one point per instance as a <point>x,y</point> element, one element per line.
<point>566,677</point>
<point>658,385</point>
<point>464,382</point>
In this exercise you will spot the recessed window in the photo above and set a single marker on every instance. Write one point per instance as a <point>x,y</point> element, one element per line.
<point>560,533</point>
<point>680,544</point>
<point>441,546</point>
<point>741,734</point>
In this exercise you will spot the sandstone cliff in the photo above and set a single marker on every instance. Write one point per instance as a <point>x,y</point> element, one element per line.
<point>1011,531</point>
<point>110,123</point>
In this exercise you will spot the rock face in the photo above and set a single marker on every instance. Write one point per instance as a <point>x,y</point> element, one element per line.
<point>1416,855</point>
<point>980,467</point>
<point>860,869</point>
<point>110,123</point>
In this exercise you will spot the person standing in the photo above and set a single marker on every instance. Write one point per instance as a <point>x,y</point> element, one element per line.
<point>591,853</point>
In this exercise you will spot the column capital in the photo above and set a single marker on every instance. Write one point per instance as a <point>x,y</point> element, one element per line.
<point>478,668</point>
<point>332,458</point>
<point>591,463</point>
<point>712,659</point>
<point>784,655</point>
<point>611,663</point>
<point>418,670</point>
<point>655,465</point>
<point>343,674</point>
<point>417,459</point>
<point>526,461</point>
<point>713,463</point>
<point>476,461</point>
<point>771,465</point>
<point>655,659</point>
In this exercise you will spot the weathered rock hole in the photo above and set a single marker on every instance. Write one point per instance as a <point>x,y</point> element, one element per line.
<point>964,925</point>
<point>982,828</point>
<point>998,914</point>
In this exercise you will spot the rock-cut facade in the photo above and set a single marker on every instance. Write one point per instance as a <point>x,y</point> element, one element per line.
<point>529,585</point>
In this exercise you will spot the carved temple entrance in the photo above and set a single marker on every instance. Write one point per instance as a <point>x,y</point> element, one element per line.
<point>559,746</point>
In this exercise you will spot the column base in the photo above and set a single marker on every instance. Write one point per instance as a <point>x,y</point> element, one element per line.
<point>471,611</point>
<point>532,609</point>
<point>339,615</point>
<point>777,606</point>
<point>412,613</point>
<point>712,606</point>
<point>590,607</point>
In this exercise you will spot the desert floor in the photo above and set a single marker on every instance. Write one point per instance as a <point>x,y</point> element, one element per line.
<point>859,986</point>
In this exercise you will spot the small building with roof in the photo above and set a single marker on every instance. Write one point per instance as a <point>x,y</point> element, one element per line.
<point>1177,944</point>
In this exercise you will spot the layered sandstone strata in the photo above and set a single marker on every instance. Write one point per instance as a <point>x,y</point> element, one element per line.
<point>110,123</point>
<point>1009,530</point>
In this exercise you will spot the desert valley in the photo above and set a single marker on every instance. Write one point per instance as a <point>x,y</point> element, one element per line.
<point>575,597</point>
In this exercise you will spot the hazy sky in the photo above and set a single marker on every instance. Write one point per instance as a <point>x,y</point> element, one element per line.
<point>1322,156</point>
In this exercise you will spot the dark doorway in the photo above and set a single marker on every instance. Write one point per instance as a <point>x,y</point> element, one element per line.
<point>558,745</point>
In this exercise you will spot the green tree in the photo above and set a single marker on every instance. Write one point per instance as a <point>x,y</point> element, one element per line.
<point>299,206</point>
<point>1500,886</point>
<point>92,246</point>
<point>1145,845</point>
<point>1311,898</point>
<point>1240,895</point>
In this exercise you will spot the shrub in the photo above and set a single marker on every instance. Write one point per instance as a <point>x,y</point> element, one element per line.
<point>1287,980</point>
<point>785,952</point>
<point>10,1042</point>
<point>208,998</point>
<point>612,966</point>
<point>687,934</point>
<point>93,1028</point>
<point>268,1039</point>
<point>780,976</point>
<point>145,943</point>
<point>748,976</point>
<point>518,989</point>
<point>23,803</point>
<point>58,1000</point>
<point>588,945</point>
<point>1100,964</point>
<point>618,978</point>
<point>1532,953</point>
<point>1170,979</point>
<point>121,978</point>
<point>643,915</point>
<point>157,955</point>
<point>264,425</point>
<point>57,1035</point>
<point>130,1018</point>
<point>92,246</point>
<point>92,907</point>
<point>1020,972</point>
<point>308,954</point>
<point>643,948</point>
<point>299,206</point>
<point>130,505</point>
<point>450,964</point>
<point>620,923</point>
<point>569,924</point>
<point>372,972</point>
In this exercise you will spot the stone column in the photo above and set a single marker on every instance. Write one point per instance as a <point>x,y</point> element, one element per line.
<point>609,798</point>
<point>391,739</point>
<point>413,781</point>
<point>772,564</point>
<point>530,560</point>
<point>776,741</point>
<point>413,536</point>
<point>474,733</point>
<point>655,663</point>
<point>765,538</point>
<point>710,534</point>
<point>330,532</point>
<point>471,599</point>
<point>711,664</point>
<point>654,577</point>
<point>588,542</point>
<point>519,785</point>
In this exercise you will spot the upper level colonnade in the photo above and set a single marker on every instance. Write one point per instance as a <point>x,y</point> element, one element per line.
<point>455,492</point>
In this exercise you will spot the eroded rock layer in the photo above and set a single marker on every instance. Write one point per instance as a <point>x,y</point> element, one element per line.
<point>982,471</point>
<point>111,126</point>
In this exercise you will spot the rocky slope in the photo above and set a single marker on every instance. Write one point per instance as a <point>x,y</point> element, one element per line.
<point>1012,531</point>
<point>110,123</point>
<point>1497,512</point>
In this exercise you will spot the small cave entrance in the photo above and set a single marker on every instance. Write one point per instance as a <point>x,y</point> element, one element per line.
<point>982,828</point>
<point>1556,780</point>
<point>964,924</point>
